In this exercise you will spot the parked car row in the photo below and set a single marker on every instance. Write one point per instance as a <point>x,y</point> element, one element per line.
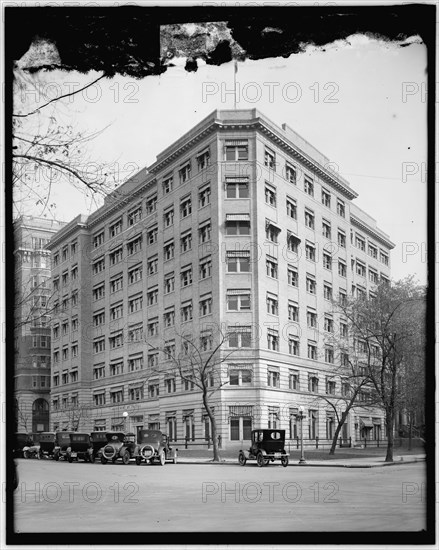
<point>151,446</point>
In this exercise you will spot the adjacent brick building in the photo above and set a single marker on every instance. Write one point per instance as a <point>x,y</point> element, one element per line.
<point>239,224</point>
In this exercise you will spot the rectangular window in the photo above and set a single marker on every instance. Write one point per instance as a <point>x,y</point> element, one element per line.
<point>342,297</point>
<point>116,396</point>
<point>309,219</point>
<point>135,215</point>
<point>327,261</point>
<point>311,317</point>
<point>152,296</point>
<point>135,363</point>
<point>269,159</point>
<point>152,235</point>
<point>271,267</point>
<point>116,312</point>
<point>273,378</point>
<point>235,150</point>
<point>373,276</point>
<point>186,312</point>
<point>135,274</point>
<point>205,267</point>
<point>328,324</point>
<point>293,380</point>
<point>238,261</point>
<point>152,265</point>
<point>169,283</point>
<point>293,346</point>
<point>272,304</point>
<point>116,283</point>
<point>372,251</point>
<point>326,229</point>
<point>204,196</point>
<point>238,300</point>
<point>116,256</point>
<point>293,311</point>
<point>99,345</point>
<point>98,266</point>
<point>168,217</point>
<point>151,204</point>
<point>341,239</point>
<point>135,303</point>
<point>341,211</point>
<point>290,173</point>
<point>237,188</point>
<point>239,337</point>
<point>99,292</point>
<point>115,228</point>
<point>342,269</point>
<point>185,207</point>
<point>99,318</point>
<point>98,239</point>
<point>384,257</point>
<point>135,333</point>
<point>184,173</point>
<point>310,251</point>
<point>204,232</point>
<point>293,276</point>
<point>186,276</point>
<point>327,291</point>
<point>116,340</point>
<point>308,186</point>
<point>168,251</point>
<point>291,208</point>
<point>326,198</point>
<point>270,195</point>
<point>310,284</point>
<point>135,245</point>
<point>99,399</point>
<point>360,242</point>
<point>169,318</point>
<point>330,385</point>
<point>167,184</point>
<point>273,339</point>
<point>205,305</point>
<point>98,372</point>
<point>237,227</point>
<point>153,327</point>
<point>360,269</point>
<point>203,159</point>
<point>271,232</point>
<point>186,242</point>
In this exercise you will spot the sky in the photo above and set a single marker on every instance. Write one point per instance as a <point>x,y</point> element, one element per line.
<point>361,102</point>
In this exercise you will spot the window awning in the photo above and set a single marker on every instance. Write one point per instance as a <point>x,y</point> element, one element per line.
<point>270,223</point>
<point>366,423</point>
<point>241,410</point>
<point>237,217</point>
<point>237,253</point>
<point>134,385</point>
<point>237,291</point>
<point>293,237</point>
<point>153,417</point>
<point>188,412</point>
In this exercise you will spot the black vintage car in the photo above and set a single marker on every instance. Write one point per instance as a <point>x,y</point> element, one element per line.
<point>80,447</point>
<point>153,446</point>
<point>119,445</point>
<point>62,443</point>
<point>47,444</point>
<point>266,446</point>
<point>98,441</point>
<point>23,441</point>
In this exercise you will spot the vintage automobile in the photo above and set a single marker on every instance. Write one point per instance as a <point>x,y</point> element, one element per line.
<point>266,446</point>
<point>46,444</point>
<point>62,443</point>
<point>23,441</point>
<point>119,445</point>
<point>153,446</point>
<point>98,441</point>
<point>80,447</point>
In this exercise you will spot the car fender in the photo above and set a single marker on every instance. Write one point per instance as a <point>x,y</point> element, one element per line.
<point>245,453</point>
<point>263,451</point>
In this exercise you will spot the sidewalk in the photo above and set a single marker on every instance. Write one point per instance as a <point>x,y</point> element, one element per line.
<point>360,462</point>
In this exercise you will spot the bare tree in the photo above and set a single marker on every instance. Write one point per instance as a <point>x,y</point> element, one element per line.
<point>387,330</point>
<point>200,362</point>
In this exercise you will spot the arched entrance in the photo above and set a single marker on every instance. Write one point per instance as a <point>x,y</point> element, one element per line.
<point>40,416</point>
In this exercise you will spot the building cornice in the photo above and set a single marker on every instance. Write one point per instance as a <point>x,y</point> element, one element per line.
<point>64,233</point>
<point>372,232</point>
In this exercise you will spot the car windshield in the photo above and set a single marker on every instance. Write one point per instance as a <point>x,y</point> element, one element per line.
<point>63,437</point>
<point>150,436</point>
<point>79,438</point>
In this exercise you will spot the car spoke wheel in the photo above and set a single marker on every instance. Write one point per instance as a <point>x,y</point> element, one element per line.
<point>260,460</point>
<point>26,454</point>
<point>284,461</point>
<point>162,458</point>
<point>241,459</point>
<point>103,460</point>
<point>138,460</point>
<point>126,457</point>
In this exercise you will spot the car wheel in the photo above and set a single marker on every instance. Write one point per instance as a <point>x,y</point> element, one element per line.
<point>56,457</point>
<point>241,459</point>
<point>260,460</point>
<point>175,457</point>
<point>103,460</point>
<point>26,454</point>
<point>138,460</point>
<point>126,457</point>
<point>284,461</point>
<point>39,456</point>
<point>70,459</point>
<point>162,458</point>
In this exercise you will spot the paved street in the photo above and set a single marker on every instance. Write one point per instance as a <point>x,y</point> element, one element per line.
<point>228,497</point>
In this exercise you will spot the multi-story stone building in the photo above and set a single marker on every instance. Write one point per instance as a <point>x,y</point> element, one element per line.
<point>32,321</point>
<point>239,224</point>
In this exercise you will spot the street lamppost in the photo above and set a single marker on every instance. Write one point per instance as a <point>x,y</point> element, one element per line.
<point>301,416</point>
<point>125,418</point>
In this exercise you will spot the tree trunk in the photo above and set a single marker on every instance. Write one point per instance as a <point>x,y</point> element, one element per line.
<point>389,426</point>
<point>216,456</point>
<point>337,432</point>
<point>410,432</point>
